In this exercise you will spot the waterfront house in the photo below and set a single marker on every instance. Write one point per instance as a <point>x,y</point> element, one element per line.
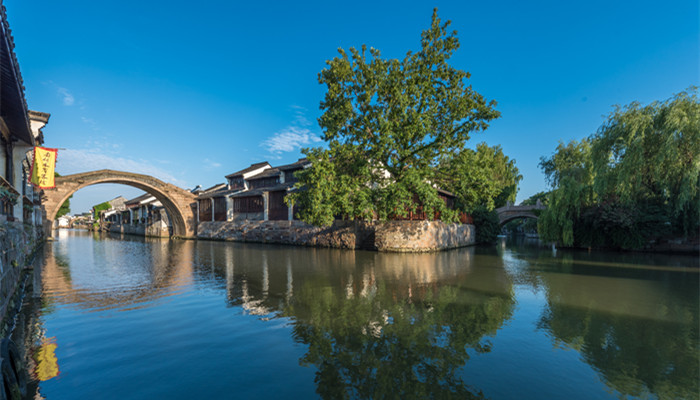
<point>20,131</point>
<point>145,209</point>
<point>63,221</point>
<point>143,215</point>
<point>211,203</point>
<point>114,212</point>
<point>255,193</point>
<point>254,200</point>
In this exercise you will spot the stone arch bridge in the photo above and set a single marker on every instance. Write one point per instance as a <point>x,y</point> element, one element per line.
<point>511,212</point>
<point>179,203</point>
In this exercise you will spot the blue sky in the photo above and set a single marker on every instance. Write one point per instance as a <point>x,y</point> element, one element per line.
<point>192,91</point>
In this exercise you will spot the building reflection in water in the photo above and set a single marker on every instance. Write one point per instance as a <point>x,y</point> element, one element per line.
<point>375,324</point>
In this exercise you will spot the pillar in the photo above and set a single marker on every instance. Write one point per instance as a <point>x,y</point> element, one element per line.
<point>266,204</point>
<point>229,209</point>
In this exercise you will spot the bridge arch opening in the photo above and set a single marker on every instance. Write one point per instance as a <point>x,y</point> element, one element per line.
<point>514,217</point>
<point>178,203</point>
<point>512,212</point>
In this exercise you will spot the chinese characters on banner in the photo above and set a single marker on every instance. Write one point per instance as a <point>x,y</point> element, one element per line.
<point>43,167</point>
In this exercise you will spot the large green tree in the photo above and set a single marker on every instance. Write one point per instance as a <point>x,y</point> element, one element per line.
<point>387,123</point>
<point>637,177</point>
<point>484,177</point>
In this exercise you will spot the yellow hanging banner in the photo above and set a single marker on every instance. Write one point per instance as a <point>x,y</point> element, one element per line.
<point>43,167</point>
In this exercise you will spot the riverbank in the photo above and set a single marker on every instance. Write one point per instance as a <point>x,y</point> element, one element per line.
<point>388,236</point>
<point>667,246</point>
<point>19,242</point>
<point>119,317</point>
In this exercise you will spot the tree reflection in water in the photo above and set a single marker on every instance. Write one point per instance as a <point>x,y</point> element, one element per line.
<point>634,356</point>
<point>376,325</point>
<point>396,338</point>
<point>630,319</point>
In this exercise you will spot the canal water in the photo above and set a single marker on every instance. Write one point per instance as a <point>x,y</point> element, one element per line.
<point>123,317</point>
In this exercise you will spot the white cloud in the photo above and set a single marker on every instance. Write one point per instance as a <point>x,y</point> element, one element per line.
<point>89,122</point>
<point>209,164</point>
<point>67,97</point>
<point>289,139</point>
<point>71,161</point>
<point>293,137</point>
<point>300,118</point>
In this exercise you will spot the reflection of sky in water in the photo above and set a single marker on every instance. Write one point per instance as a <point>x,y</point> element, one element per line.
<point>511,321</point>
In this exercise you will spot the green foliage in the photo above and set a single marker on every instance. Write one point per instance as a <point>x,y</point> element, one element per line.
<point>652,153</point>
<point>487,225</point>
<point>543,197</point>
<point>570,172</point>
<point>6,195</point>
<point>100,207</point>
<point>387,346</point>
<point>655,356</point>
<point>388,123</point>
<point>482,177</point>
<point>65,208</point>
<point>521,225</point>
<point>637,178</point>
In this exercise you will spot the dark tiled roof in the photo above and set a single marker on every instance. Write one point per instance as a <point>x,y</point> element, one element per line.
<point>217,193</point>
<point>14,105</point>
<point>265,174</point>
<point>260,191</point>
<point>251,168</point>
<point>138,199</point>
<point>216,187</point>
<point>249,193</point>
<point>300,163</point>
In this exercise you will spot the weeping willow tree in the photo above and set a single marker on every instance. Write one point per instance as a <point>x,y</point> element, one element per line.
<point>569,171</point>
<point>637,177</point>
<point>650,155</point>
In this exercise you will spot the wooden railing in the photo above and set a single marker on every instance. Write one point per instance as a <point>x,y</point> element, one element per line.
<point>6,205</point>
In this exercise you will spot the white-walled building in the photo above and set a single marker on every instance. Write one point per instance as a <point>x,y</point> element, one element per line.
<point>20,131</point>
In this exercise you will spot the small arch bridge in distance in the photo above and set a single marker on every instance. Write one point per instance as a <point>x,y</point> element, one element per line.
<point>179,203</point>
<point>510,212</point>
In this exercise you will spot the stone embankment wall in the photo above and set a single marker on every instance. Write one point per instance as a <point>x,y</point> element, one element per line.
<point>17,244</point>
<point>415,236</point>
<point>157,229</point>
<point>396,236</point>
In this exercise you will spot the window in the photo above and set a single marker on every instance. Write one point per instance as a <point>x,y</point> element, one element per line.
<point>252,204</point>
<point>265,182</point>
<point>236,183</point>
<point>220,209</point>
<point>205,210</point>
<point>289,176</point>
